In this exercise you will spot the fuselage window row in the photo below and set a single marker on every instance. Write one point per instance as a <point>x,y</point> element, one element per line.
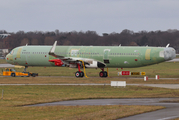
<point>61,53</point>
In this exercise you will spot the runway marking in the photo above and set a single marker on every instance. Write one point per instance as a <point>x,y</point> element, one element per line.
<point>168,118</point>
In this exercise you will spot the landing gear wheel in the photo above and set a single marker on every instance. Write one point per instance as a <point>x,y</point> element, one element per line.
<point>103,74</point>
<point>77,74</point>
<point>82,74</point>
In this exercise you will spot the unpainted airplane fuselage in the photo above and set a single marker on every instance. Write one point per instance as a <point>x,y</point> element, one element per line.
<point>96,56</point>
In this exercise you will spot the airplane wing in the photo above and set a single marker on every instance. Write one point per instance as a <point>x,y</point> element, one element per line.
<point>69,60</point>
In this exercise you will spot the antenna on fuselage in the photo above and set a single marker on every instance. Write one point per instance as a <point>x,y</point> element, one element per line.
<point>167,45</point>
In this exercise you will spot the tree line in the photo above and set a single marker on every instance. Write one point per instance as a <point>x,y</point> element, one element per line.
<point>125,38</point>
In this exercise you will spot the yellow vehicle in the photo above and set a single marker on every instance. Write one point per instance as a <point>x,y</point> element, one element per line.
<point>13,73</point>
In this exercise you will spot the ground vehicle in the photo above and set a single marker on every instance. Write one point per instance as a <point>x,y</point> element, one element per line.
<point>13,73</point>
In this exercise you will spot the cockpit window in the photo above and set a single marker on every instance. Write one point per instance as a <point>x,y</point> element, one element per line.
<point>11,52</point>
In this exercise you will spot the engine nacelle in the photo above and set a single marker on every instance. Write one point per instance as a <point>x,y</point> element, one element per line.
<point>57,62</point>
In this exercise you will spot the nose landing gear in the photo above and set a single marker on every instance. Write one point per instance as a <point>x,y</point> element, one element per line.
<point>103,73</point>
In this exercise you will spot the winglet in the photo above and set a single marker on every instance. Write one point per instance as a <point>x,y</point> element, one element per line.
<point>52,50</point>
<point>167,45</point>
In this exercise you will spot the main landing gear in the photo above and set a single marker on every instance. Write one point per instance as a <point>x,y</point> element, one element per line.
<point>103,73</point>
<point>79,73</point>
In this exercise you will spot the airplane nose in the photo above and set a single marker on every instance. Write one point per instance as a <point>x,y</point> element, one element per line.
<point>169,53</point>
<point>8,57</point>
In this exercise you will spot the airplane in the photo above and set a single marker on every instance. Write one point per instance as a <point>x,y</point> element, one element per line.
<point>89,56</point>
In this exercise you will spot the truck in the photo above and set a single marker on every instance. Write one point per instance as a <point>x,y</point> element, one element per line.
<point>13,73</point>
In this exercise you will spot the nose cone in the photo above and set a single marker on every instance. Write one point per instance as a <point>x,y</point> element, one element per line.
<point>169,53</point>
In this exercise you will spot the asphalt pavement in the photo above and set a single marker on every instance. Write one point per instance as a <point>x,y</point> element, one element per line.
<point>6,65</point>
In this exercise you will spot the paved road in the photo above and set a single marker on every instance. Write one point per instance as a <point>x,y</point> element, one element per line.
<point>169,86</point>
<point>174,60</point>
<point>171,111</point>
<point>6,65</point>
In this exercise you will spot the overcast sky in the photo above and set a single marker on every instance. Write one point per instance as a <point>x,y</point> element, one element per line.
<point>102,16</point>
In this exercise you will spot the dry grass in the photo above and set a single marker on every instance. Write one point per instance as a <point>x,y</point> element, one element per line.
<point>3,61</point>
<point>74,112</point>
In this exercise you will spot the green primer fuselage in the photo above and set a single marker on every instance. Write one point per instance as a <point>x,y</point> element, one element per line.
<point>111,56</point>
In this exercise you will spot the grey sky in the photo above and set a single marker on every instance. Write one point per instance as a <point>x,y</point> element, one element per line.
<point>102,16</point>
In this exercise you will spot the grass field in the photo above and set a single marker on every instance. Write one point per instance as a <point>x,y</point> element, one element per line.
<point>3,61</point>
<point>165,70</point>
<point>16,96</point>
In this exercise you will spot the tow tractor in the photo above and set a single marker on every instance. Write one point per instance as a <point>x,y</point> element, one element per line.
<point>13,73</point>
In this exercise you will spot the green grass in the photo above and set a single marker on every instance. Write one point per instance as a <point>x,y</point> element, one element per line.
<point>165,70</point>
